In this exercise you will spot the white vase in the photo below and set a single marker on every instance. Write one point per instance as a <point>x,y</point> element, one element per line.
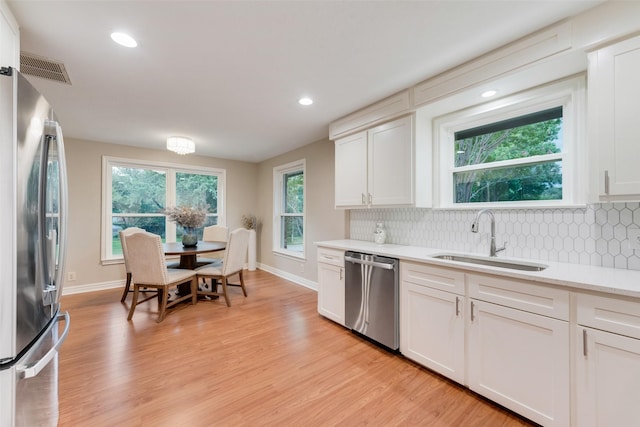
<point>251,251</point>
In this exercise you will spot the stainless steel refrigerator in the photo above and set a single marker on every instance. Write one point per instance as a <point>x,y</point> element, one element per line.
<point>33,212</point>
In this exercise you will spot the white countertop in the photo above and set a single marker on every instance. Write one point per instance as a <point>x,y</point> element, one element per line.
<point>602,279</point>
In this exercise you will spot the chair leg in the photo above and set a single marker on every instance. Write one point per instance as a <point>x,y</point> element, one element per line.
<point>244,290</point>
<point>134,302</point>
<point>163,303</point>
<point>224,291</point>
<point>127,286</point>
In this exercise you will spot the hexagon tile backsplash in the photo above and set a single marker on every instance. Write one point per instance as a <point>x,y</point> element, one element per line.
<point>595,235</point>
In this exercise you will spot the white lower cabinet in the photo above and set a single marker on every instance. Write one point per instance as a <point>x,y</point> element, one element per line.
<point>518,350</point>
<point>607,362</point>
<point>508,340</point>
<point>520,360</point>
<point>331,284</point>
<point>607,379</point>
<point>432,328</point>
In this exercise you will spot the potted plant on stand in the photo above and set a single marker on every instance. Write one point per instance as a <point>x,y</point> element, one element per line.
<point>250,222</point>
<point>190,219</point>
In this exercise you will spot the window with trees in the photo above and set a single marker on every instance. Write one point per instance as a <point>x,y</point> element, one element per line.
<point>289,205</point>
<point>518,151</point>
<point>137,192</point>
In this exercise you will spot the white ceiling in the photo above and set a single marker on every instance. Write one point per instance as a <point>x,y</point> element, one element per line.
<point>229,73</point>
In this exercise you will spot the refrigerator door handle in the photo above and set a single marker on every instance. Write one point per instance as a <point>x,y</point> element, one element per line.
<point>54,131</point>
<point>34,369</point>
<point>64,201</point>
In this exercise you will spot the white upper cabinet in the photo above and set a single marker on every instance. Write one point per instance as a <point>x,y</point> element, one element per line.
<point>376,167</point>
<point>614,126</point>
<point>351,170</point>
<point>9,38</point>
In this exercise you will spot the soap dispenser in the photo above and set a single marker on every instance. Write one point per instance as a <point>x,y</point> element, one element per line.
<point>380,235</point>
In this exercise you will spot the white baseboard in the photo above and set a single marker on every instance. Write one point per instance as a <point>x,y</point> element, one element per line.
<point>101,286</point>
<point>291,277</point>
<point>91,287</point>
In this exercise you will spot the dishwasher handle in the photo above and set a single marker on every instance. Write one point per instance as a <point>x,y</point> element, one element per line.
<point>371,263</point>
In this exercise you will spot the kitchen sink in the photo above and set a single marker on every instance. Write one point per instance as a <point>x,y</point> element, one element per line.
<point>492,262</point>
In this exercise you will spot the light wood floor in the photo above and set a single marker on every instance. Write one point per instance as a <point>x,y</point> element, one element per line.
<point>268,360</point>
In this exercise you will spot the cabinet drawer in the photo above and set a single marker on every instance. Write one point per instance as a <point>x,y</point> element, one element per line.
<point>331,256</point>
<point>434,277</point>
<point>527,296</point>
<point>617,315</point>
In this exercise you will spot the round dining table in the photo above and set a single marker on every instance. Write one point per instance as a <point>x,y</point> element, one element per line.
<point>189,254</point>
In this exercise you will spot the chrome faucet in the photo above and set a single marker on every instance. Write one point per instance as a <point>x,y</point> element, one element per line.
<point>474,229</point>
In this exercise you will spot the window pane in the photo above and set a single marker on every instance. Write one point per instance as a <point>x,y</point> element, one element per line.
<point>136,190</point>
<point>542,181</point>
<point>197,190</point>
<point>294,192</point>
<point>152,224</point>
<point>292,232</point>
<point>524,136</point>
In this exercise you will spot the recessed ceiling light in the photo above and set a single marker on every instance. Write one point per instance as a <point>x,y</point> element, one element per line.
<point>124,39</point>
<point>488,93</point>
<point>305,101</point>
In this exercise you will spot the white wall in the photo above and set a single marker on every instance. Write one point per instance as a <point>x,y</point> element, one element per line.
<point>323,222</point>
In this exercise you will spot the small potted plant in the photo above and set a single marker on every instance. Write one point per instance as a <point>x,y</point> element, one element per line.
<point>250,222</point>
<point>190,218</point>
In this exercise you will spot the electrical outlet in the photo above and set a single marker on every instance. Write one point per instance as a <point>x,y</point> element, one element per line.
<point>634,238</point>
<point>302,267</point>
<point>71,276</point>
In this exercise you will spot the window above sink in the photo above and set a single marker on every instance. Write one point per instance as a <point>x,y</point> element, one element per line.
<point>523,150</point>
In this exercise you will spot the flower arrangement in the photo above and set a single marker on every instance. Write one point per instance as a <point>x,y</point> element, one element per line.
<point>187,216</point>
<point>249,221</point>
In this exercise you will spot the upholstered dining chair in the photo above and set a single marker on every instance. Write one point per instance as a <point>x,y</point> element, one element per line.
<point>232,264</point>
<point>123,243</point>
<point>123,234</point>
<point>148,268</point>
<point>214,233</point>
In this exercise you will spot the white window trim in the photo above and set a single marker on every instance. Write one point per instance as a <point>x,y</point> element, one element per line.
<point>568,93</point>
<point>170,169</point>
<point>278,174</point>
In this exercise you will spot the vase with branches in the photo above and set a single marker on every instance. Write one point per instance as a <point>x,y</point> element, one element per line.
<point>190,218</point>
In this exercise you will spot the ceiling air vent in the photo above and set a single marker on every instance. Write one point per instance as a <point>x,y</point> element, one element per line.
<point>44,68</point>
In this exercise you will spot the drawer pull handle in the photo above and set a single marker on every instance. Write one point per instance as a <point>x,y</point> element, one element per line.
<point>584,342</point>
<point>457,306</point>
<point>472,317</point>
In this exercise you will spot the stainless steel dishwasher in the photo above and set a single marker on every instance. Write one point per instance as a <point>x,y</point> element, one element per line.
<point>371,297</point>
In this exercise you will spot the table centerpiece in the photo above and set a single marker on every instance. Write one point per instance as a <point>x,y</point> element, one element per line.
<point>190,218</point>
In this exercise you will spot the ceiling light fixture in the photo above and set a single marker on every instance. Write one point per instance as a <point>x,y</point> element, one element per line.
<point>181,145</point>
<point>124,39</point>
<point>305,101</point>
<point>488,93</point>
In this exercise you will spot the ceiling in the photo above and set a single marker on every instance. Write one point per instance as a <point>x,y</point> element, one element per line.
<point>228,74</point>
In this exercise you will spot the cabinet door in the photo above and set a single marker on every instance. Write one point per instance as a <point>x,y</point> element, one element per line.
<point>9,38</point>
<point>607,379</point>
<point>432,329</point>
<point>351,170</point>
<point>616,97</point>
<point>391,163</point>
<point>520,360</point>
<point>331,292</point>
